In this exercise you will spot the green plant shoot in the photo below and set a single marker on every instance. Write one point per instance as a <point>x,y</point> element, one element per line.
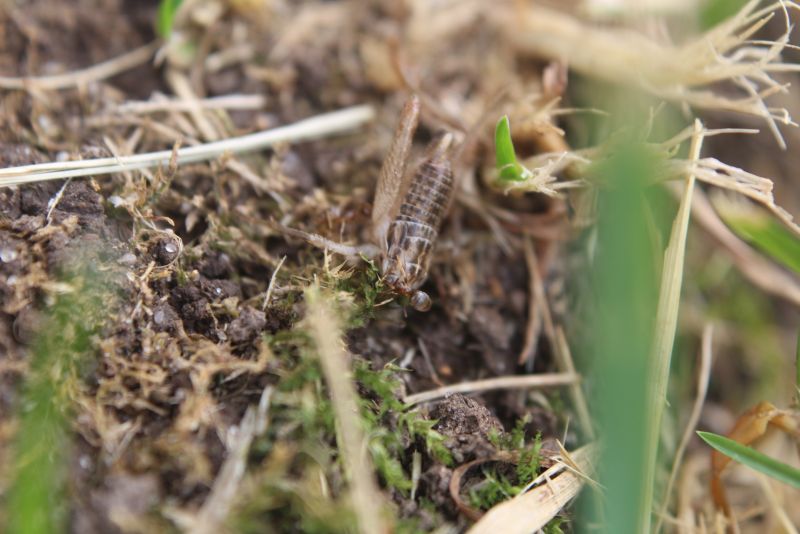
<point>509,170</point>
<point>768,235</point>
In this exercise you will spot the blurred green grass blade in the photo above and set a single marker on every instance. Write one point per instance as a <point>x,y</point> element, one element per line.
<point>35,502</point>
<point>753,459</point>
<point>505,157</point>
<point>37,499</point>
<point>625,285</point>
<point>715,11</point>
<point>166,16</point>
<point>797,369</point>
<point>768,235</point>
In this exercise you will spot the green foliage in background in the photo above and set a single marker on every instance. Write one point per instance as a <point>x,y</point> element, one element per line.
<point>166,16</point>
<point>768,235</point>
<point>715,11</point>
<point>37,497</point>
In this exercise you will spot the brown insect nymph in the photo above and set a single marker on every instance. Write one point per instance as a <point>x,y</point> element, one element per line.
<point>407,211</point>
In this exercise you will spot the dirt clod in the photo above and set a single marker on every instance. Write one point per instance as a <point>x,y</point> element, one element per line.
<point>247,326</point>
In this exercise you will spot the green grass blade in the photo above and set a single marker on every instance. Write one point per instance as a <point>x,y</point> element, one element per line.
<point>753,459</point>
<point>768,235</point>
<point>166,16</point>
<point>505,157</point>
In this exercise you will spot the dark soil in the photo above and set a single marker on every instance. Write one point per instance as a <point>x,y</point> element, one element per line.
<point>188,344</point>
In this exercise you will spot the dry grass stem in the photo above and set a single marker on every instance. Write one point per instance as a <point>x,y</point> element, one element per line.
<point>325,330</point>
<point>677,73</point>
<point>567,364</point>
<point>271,286</point>
<point>703,377</point>
<point>665,328</point>
<point>550,492</point>
<point>81,78</point>
<point>182,87</point>
<point>555,336</point>
<point>335,122</point>
<point>537,305</point>
<point>216,507</point>
<point>240,102</point>
<point>780,516</point>
<point>502,382</point>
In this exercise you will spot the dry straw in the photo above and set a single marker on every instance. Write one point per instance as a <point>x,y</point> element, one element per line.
<point>679,73</point>
<point>326,124</point>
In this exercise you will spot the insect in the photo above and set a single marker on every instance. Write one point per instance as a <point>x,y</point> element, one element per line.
<point>407,211</point>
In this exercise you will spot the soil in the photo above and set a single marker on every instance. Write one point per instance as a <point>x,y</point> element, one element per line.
<point>188,344</point>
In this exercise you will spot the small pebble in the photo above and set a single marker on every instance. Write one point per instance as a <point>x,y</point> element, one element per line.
<point>127,259</point>
<point>85,462</point>
<point>7,254</point>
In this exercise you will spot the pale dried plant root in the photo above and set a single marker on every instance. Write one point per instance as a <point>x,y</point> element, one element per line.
<point>683,73</point>
<point>319,126</point>
<point>501,382</point>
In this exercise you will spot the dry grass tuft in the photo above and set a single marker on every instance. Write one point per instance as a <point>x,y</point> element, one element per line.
<point>681,73</point>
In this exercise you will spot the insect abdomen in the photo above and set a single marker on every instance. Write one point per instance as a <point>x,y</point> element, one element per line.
<point>428,194</point>
<point>412,234</point>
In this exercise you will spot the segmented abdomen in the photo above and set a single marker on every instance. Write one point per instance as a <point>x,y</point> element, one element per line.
<point>413,231</point>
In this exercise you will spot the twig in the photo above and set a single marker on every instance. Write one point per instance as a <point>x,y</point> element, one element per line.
<point>556,337</point>
<point>564,357</point>
<point>335,122</point>
<point>502,382</point>
<point>666,324</point>
<point>703,377</point>
<point>535,311</point>
<point>83,77</point>
<point>179,83</point>
<point>271,285</point>
<point>325,330</point>
<point>51,205</point>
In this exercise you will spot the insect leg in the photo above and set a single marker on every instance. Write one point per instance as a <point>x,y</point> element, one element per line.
<point>356,252</point>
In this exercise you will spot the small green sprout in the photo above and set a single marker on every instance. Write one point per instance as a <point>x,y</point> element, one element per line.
<point>505,158</point>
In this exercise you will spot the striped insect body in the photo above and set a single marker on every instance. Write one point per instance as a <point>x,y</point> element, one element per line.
<point>414,226</point>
